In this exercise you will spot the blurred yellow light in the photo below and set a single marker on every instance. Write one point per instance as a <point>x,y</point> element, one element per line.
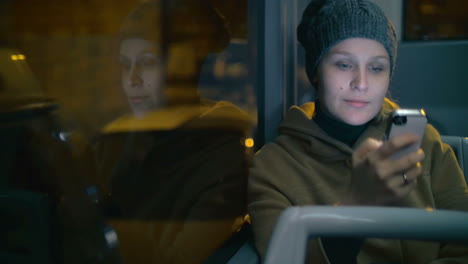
<point>18,57</point>
<point>429,209</point>
<point>249,142</point>
<point>247,218</point>
<point>423,112</point>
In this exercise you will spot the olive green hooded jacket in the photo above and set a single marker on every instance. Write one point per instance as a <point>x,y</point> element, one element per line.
<point>305,166</point>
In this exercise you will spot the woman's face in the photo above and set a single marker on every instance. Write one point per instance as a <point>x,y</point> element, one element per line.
<point>142,75</point>
<point>353,79</point>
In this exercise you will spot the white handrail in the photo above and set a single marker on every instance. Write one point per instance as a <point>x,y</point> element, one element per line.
<point>298,224</point>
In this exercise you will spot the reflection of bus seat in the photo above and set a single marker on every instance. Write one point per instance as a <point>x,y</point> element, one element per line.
<point>38,163</point>
<point>25,124</point>
<point>19,88</point>
<point>26,232</point>
<point>460,147</point>
<point>34,160</point>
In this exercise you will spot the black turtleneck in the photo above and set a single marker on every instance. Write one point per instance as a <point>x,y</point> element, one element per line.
<point>340,249</point>
<point>337,129</point>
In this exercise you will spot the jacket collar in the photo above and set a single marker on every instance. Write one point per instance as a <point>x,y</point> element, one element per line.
<point>299,124</point>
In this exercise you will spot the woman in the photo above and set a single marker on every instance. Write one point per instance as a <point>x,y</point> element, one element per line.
<point>329,152</point>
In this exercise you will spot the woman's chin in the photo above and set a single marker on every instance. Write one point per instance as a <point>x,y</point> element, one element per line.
<point>356,120</point>
<point>139,114</point>
<point>139,111</point>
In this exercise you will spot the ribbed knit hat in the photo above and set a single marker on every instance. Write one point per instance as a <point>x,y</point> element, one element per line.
<point>176,21</point>
<point>327,22</point>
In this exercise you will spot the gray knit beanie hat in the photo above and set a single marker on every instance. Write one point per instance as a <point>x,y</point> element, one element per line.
<point>327,22</point>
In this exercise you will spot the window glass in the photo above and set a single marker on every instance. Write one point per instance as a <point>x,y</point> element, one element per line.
<point>435,19</point>
<point>305,91</point>
<point>127,128</point>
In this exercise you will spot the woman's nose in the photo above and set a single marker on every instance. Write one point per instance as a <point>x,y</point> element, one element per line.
<point>360,81</point>
<point>135,79</point>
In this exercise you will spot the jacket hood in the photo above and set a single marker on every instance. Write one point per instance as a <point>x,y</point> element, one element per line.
<point>298,123</point>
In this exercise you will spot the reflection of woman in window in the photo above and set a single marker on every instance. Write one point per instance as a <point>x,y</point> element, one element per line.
<point>175,168</point>
<point>161,54</point>
<point>142,74</point>
<point>329,151</point>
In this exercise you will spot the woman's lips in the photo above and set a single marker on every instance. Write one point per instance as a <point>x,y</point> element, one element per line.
<point>357,103</point>
<point>138,99</point>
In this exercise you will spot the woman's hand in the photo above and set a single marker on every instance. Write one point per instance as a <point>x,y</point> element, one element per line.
<point>376,178</point>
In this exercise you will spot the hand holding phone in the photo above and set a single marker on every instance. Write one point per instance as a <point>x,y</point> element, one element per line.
<point>376,180</point>
<point>407,121</point>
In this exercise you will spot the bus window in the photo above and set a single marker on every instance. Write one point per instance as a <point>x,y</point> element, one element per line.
<point>435,20</point>
<point>134,119</point>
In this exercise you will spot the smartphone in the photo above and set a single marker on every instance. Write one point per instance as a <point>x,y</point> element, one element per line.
<point>407,121</point>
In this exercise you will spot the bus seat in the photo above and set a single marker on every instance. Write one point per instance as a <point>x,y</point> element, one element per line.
<point>239,249</point>
<point>247,254</point>
<point>297,225</point>
<point>460,147</point>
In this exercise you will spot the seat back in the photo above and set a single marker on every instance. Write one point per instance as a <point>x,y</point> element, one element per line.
<point>247,254</point>
<point>460,147</point>
<point>436,67</point>
<point>239,249</point>
<point>297,225</point>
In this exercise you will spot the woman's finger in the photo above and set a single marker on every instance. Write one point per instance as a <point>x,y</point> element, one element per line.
<point>400,180</point>
<point>361,153</point>
<point>405,189</point>
<point>411,175</point>
<point>391,146</point>
<point>405,163</point>
<point>388,167</point>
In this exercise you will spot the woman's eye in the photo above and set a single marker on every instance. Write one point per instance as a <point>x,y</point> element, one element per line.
<point>376,68</point>
<point>145,60</point>
<point>344,66</point>
<point>148,60</point>
<point>124,63</point>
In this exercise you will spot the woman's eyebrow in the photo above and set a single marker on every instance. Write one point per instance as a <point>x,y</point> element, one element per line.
<point>381,58</point>
<point>352,56</point>
<point>147,53</point>
<point>342,53</point>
